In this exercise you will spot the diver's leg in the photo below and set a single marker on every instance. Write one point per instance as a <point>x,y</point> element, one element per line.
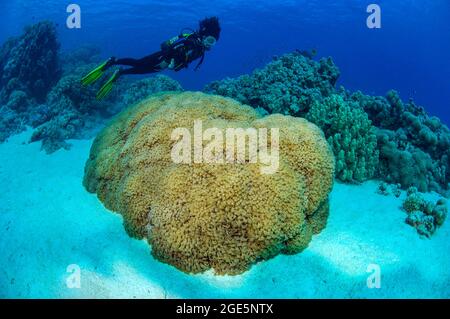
<point>107,87</point>
<point>96,73</point>
<point>136,71</point>
<point>127,61</point>
<point>149,64</point>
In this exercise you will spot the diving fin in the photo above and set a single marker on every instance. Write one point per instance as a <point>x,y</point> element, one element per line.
<point>107,87</point>
<point>95,74</point>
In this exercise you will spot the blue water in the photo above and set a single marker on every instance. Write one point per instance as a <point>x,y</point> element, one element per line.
<point>410,53</point>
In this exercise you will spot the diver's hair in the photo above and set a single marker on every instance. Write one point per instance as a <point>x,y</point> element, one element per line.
<point>210,27</point>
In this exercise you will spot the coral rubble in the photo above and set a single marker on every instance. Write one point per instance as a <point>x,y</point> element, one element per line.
<point>425,216</point>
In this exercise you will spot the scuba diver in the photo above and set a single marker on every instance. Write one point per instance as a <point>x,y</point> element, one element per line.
<point>175,54</point>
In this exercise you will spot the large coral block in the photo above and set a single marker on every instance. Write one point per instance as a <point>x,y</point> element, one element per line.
<point>209,215</point>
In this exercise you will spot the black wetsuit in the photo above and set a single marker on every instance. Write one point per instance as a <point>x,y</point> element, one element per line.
<point>179,52</point>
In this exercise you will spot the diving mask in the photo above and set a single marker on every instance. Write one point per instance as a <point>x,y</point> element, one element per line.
<point>209,42</point>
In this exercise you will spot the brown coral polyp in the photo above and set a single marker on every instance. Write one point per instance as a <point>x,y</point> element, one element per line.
<point>202,216</point>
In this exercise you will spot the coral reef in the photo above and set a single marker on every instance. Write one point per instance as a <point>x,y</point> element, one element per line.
<point>74,111</point>
<point>36,91</point>
<point>220,216</point>
<point>425,216</point>
<point>287,85</point>
<point>30,63</point>
<point>351,136</point>
<point>294,83</point>
<point>139,90</point>
<point>81,56</point>
<point>9,123</point>
<point>29,66</point>
<point>371,136</point>
<point>68,112</point>
<point>55,132</point>
<point>406,134</point>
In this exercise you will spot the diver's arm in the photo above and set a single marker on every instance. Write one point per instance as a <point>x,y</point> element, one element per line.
<point>200,62</point>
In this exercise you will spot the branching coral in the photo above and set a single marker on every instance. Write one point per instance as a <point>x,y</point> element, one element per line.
<point>201,216</point>
<point>288,85</point>
<point>351,136</point>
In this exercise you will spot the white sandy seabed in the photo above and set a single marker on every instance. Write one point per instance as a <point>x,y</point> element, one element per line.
<point>48,221</point>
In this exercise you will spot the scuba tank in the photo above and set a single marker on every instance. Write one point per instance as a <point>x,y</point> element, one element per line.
<point>178,42</point>
<point>177,39</point>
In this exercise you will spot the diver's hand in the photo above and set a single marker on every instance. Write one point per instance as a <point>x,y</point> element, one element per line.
<point>172,64</point>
